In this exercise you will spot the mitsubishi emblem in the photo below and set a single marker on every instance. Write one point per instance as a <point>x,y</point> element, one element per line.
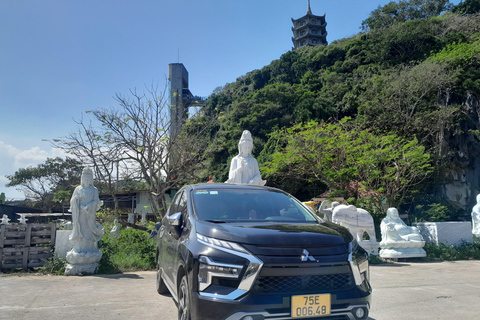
<point>306,256</point>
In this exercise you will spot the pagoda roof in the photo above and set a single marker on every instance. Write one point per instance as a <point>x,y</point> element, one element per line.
<point>311,35</point>
<point>308,24</point>
<point>309,15</point>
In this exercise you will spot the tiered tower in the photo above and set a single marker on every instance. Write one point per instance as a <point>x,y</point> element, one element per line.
<point>309,30</point>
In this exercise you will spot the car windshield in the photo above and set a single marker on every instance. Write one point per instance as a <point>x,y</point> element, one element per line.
<point>234,205</point>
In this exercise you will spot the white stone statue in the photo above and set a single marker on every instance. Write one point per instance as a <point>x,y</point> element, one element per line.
<point>115,232</point>
<point>327,212</point>
<point>476,218</point>
<point>5,219</point>
<point>244,168</point>
<point>358,221</point>
<point>398,239</point>
<point>84,204</point>
<point>22,219</point>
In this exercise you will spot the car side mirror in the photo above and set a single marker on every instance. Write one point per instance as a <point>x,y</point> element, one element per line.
<point>175,219</point>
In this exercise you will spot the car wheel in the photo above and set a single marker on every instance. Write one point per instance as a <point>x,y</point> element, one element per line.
<point>183,300</point>
<point>161,287</point>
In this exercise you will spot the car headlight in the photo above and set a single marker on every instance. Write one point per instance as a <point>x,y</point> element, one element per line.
<point>358,259</point>
<point>211,271</point>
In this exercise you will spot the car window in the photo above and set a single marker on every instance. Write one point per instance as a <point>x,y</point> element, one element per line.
<point>242,204</point>
<point>175,206</point>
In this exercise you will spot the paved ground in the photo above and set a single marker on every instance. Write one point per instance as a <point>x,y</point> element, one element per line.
<point>403,290</point>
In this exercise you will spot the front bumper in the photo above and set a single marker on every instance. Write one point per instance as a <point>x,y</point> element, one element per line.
<point>276,306</point>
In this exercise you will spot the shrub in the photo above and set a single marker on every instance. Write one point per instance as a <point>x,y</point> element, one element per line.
<point>467,251</point>
<point>132,250</point>
<point>54,265</point>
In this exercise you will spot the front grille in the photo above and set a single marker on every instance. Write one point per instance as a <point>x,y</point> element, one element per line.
<point>302,284</point>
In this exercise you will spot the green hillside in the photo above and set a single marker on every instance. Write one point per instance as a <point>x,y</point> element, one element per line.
<point>414,82</point>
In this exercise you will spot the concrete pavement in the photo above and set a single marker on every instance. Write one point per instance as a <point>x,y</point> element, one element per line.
<point>402,290</point>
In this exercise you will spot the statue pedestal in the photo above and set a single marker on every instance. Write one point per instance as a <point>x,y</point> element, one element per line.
<point>81,263</point>
<point>370,246</point>
<point>403,249</point>
<point>448,233</point>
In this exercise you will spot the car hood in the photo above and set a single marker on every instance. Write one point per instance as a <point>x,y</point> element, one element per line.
<point>276,233</point>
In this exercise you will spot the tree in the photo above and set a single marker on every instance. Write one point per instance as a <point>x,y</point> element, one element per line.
<point>133,141</point>
<point>410,102</point>
<point>350,161</point>
<point>2,198</point>
<point>467,7</point>
<point>41,182</point>
<point>94,147</point>
<point>401,11</point>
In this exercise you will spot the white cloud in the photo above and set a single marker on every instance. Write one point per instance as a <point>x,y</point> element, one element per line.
<point>12,159</point>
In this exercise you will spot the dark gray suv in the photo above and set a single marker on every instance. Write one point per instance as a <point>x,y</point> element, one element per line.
<point>240,252</point>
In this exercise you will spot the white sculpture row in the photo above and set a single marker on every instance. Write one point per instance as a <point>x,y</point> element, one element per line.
<point>21,220</point>
<point>398,239</point>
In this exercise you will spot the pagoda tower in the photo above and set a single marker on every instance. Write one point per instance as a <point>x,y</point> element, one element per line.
<point>309,30</point>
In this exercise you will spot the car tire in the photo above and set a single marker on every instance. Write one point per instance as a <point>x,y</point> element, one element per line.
<point>184,300</point>
<point>161,287</point>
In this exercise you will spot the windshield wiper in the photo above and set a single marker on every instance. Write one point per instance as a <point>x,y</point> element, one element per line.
<point>216,221</point>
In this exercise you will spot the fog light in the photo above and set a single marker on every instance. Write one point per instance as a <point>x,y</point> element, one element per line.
<point>247,318</point>
<point>360,313</point>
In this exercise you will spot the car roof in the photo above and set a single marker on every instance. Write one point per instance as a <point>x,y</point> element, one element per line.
<point>218,186</point>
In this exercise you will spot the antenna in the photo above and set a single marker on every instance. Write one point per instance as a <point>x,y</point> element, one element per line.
<point>178,54</point>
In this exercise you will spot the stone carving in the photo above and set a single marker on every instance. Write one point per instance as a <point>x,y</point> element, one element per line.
<point>22,219</point>
<point>398,239</point>
<point>476,218</point>
<point>358,221</point>
<point>115,232</point>
<point>244,168</point>
<point>84,256</point>
<point>5,219</point>
<point>327,212</point>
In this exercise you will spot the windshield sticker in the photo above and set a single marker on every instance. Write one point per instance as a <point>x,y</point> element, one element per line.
<point>202,192</point>
<point>213,192</point>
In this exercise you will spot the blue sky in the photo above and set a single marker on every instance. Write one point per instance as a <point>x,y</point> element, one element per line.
<point>60,58</point>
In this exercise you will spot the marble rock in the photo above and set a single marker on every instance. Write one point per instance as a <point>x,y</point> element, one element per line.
<point>448,233</point>
<point>62,243</point>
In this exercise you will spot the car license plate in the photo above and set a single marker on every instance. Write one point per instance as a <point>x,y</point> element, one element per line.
<point>315,305</point>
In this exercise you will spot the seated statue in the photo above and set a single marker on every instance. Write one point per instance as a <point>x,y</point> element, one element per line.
<point>398,239</point>
<point>476,218</point>
<point>244,168</point>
